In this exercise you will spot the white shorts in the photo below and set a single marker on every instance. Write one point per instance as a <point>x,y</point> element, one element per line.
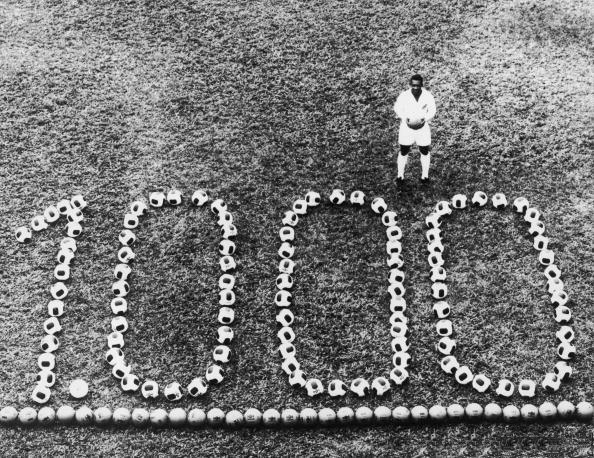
<point>408,136</point>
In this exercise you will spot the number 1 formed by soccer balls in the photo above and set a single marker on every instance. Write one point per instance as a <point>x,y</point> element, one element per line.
<point>72,210</point>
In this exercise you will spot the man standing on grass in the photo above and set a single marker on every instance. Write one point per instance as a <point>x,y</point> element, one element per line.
<point>415,108</point>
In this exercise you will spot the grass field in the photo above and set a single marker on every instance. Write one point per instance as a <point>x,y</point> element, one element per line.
<point>259,102</point>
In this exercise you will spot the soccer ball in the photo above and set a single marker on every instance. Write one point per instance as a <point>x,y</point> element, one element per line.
<point>122,271</point>
<point>563,370</point>
<point>38,224</point>
<point>389,219</point>
<point>46,361</point>
<point>443,207</point>
<point>547,411</point>
<point>313,199</point>
<point>481,383</point>
<point>138,208</point>
<point>308,416</point>
<point>55,308</point>
<point>382,414</point>
<point>228,231</point>
<point>360,387</point>
<point>286,250</point>
<point>120,369</point>
<point>520,204</point>
<point>51,214</point>
<point>444,327</point>
<point>252,417</point>
<point>114,355</point>
<point>398,329</point>
<point>130,383</point>
<point>285,317</point>
<point>286,234</point>
<point>546,257</point>
<point>23,234</point>
<point>463,375</point>
<point>131,220</point>
<point>393,247</point>
<point>455,412</point>
<point>286,334</point>
<point>46,378</point>
<point>102,415</point>
<point>271,417</point>
<point>215,417</point>
<point>52,325</point>
<point>297,379</point>
<point>337,388</point>
<point>435,259</point>
<point>197,387</point>
<point>394,260</point>
<point>78,201</point>
<point>287,350</point>
<point>378,205</point>
<point>357,198</point>
<point>337,196</point>
<point>226,247</point>
<point>551,382</point>
<point>363,415</point>
<point>396,276</point>
<point>199,198</point>
<point>74,216</point>
<point>397,304</point>
<point>345,415</point>
<point>283,298</point>
<point>432,221</point>
<point>380,386</point>
<point>47,416</point>
<point>493,412</point>
<point>562,314</point>
<point>214,374</point>
<point>399,344</point>
<point>225,218</point>
<point>438,274</point>
<point>173,392</point>
<point>226,281</point>
<point>197,417</point>
<point>59,290</point>
<point>438,413</point>
<point>115,340</point>
<point>433,234</point>
<point>527,388</point>
<point>227,263</point>
<point>441,309</point>
<point>284,281</point>
<point>584,411</point>
<point>62,272</point>
<point>290,365</point>
<point>126,255</point>
<point>435,247</point>
<point>326,416</point>
<point>396,290</point>
<point>289,417</point>
<point>505,388</point>
<point>119,324</point>
<point>541,242</point>
<point>499,201</point>
<point>73,229</point>
<point>565,409</point>
<point>529,412</point>
<point>49,344</point>
<point>156,199</point>
<point>536,228</point>
<point>439,290</point>
<point>401,414</point>
<point>479,199</point>
<point>449,364</point>
<point>174,197</point>
<point>224,335</point>
<point>234,419</point>
<point>286,266</point>
<point>419,414</point>
<point>314,387</point>
<point>552,272</point>
<point>473,411</point>
<point>119,306</point>
<point>446,345</point>
<point>149,389</point>
<point>64,206</point>
<point>300,207</point>
<point>221,354</point>
<point>459,201</point>
<point>41,394</point>
<point>398,375</point>
<point>226,297</point>
<point>177,417</point>
<point>65,256</point>
<point>65,414</point>
<point>565,334</point>
<point>120,288</point>
<point>559,299</point>
<point>532,215</point>
<point>566,351</point>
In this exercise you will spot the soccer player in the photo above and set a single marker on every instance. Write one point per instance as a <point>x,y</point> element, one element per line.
<point>415,108</point>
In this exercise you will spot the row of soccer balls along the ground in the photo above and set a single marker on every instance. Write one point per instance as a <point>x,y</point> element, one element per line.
<point>73,211</point>
<point>289,417</point>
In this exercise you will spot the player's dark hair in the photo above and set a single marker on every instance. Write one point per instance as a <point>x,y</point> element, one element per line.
<point>416,77</point>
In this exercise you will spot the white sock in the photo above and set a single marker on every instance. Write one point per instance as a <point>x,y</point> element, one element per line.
<point>425,161</point>
<point>401,163</point>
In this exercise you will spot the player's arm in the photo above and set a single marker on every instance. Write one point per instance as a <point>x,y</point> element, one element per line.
<point>398,108</point>
<point>430,108</point>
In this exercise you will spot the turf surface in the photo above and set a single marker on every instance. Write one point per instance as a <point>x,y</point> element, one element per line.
<point>259,102</point>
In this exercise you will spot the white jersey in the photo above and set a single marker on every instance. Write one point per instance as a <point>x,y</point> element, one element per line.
<point>407,106</point>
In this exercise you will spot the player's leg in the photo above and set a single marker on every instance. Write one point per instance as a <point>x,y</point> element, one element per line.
<point>402,159</point>
<point>405,140</point>
<point>424,141</point>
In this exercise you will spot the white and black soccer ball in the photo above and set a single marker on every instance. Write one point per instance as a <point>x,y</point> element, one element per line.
<point>337,196</point>
<point>499,200</point>
<point>378,205</point>
<point>23,234</point>
<point>38,223</point>
<point>173,391</point>
<point>197,387</point>
<point>360,387</point>
<point>479,199</point>
<point>357,198</point>
<point>174,197</point>
<point>199,198</point>
<point>313,199</point>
